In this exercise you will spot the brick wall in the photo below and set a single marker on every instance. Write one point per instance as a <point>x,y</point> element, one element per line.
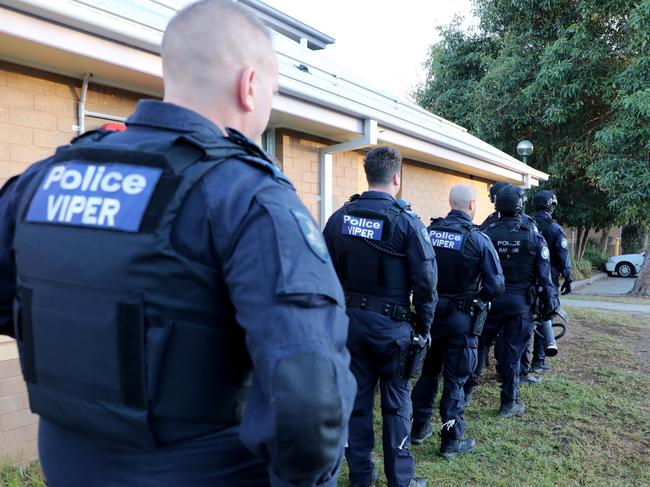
<point>18,426</point>
<point>38,111</point>
<point>428,191</point>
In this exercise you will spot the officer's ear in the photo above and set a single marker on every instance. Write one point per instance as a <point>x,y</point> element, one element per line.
<point>246,83</point>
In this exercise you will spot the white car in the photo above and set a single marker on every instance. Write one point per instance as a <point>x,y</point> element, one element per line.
<point>625,265</point>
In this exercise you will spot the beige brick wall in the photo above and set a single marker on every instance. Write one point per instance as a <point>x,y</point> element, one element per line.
<point>38,111</point>
<point>428,191</point>
<point>18,426</point>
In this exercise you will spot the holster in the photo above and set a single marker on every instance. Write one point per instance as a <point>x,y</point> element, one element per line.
<point>480,310</point>
<point>414,358</point>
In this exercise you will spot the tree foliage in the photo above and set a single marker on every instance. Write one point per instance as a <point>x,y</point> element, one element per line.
<point>573,76</point>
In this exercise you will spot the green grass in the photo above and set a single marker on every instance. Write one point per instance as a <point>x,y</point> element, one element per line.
<point>587,424</point>
<point>29,476</point>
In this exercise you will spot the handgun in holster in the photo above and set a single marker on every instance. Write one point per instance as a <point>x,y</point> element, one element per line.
<point>479,312</point>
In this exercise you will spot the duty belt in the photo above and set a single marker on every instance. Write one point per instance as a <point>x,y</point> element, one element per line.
<point>394,311</point>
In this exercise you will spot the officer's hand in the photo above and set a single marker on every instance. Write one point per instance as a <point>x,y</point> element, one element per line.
<point>420,341</point>
<point>566,287</point>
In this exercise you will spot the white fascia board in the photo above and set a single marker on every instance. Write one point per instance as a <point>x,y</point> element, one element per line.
<point>447,158</point>
<point>44,33</point>
<point>298,108</point>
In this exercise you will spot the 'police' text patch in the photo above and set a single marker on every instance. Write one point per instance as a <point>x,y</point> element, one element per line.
<point>446,240</point>
<point>110,196</point>
<point>357,226</point>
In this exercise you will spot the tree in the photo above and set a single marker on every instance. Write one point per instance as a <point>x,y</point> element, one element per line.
<point>571,75</point>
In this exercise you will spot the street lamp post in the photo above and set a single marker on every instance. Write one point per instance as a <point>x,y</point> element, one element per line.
<point>525,149</point>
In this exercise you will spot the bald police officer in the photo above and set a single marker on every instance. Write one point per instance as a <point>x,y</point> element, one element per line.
<point>382,254</point>
<point>473,277</point>
<point>178,317</point>
<point>526,265</point>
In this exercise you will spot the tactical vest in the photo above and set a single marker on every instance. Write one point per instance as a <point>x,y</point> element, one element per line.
<point>514,243</point>
<point>364,262</point>
<point>121,336</point>
<point>459,269</point>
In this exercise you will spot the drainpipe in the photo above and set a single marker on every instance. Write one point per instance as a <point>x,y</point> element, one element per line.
<point>325,157</point>
<point>82,113</point>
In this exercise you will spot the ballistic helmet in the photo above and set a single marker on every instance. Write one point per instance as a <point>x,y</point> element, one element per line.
<point>494,190</point>
<point>545,200</point>
<point>510,199</point>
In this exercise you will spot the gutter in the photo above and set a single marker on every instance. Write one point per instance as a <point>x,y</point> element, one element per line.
<point>325,159</point>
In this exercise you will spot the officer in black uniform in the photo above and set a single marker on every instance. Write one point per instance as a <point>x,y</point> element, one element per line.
<point>484,346</point>
<point>382,253</point>
<point>467,258</point>
<point>544,203</point>
<point>526,265</point>
<point>178,317</point>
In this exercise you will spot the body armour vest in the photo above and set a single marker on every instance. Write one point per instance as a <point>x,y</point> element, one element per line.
<point>516,249</point>
<point>459,268</point>
<point>121,336</point>
<point>364,262</point>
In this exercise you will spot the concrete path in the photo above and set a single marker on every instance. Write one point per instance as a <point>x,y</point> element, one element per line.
<point>625,307</point>
<point>607,285</point>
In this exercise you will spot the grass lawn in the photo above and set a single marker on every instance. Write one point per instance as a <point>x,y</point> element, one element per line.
<point>587,424</point>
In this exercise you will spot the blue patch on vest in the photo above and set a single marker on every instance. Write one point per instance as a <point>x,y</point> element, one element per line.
<point>361,227</point>
<point>110,196</point>
<point>444,239</point>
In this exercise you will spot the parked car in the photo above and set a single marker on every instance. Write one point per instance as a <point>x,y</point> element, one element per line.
<point>625,265</point>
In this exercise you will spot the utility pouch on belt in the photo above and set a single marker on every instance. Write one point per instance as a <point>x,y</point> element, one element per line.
<point>480,310</point>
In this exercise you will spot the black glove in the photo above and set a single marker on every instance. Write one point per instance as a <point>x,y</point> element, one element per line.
<point>566,287</point>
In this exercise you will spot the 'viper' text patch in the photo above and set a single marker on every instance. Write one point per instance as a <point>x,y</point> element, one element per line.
<point>110,196</point>
<point>357,226</point>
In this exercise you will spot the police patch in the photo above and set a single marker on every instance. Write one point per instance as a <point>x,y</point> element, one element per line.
<point>109,196</point>
<point>444,239</point>
<point>545,253</point>
<point>312,235</point>
<point>425,235</point>
<point>564,243</point>
<point>361,227</point>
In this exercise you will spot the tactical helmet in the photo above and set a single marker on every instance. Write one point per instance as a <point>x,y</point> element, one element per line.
<point>494,190</point>
<point>545,200</point>
<point>510,199</point>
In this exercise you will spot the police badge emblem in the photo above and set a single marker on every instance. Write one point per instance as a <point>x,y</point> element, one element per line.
<point>312,235</point>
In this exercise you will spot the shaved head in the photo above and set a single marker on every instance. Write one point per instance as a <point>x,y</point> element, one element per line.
<point>462,197</point>
<point>207,50</point>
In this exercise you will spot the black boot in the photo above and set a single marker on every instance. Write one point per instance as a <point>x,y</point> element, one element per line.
<point>514,408</point>
<point>539,366</point>
<point>530,379</point>
<point>420,432</point>
<point>418,482</point>
<point>372,482</point>
<point>453,448</point>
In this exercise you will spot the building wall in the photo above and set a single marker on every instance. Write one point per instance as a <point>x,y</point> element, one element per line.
<point>38,112</point>
<point>427,189</point>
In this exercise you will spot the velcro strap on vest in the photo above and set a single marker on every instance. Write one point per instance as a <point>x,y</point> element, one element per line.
<point>394,311</point>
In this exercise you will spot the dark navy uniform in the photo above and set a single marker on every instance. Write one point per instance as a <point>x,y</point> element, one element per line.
<point>467,259</point>
<point>526,263</point>
<point>382,254</point>
<point>558,246</point>
<point>178,317</point>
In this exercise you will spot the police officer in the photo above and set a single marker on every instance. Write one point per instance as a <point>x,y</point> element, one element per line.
<point>544,203</point>
<point>178,317</point>
<point>382,253</point>
<point>484,346</point>
<point>526,265</point>
<point>467,259</point>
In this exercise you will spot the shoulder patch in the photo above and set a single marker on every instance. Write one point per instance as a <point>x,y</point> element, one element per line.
<point>545,253</point>
<point>312,235</point>
<point>564,243</point>
<point>425,235</point>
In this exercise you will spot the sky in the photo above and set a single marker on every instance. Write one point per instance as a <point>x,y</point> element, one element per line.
<point>384,41</point>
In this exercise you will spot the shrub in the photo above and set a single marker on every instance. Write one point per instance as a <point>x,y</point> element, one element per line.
<point>595,255</point>
<point>633,238</point>
<point>581,269</point>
